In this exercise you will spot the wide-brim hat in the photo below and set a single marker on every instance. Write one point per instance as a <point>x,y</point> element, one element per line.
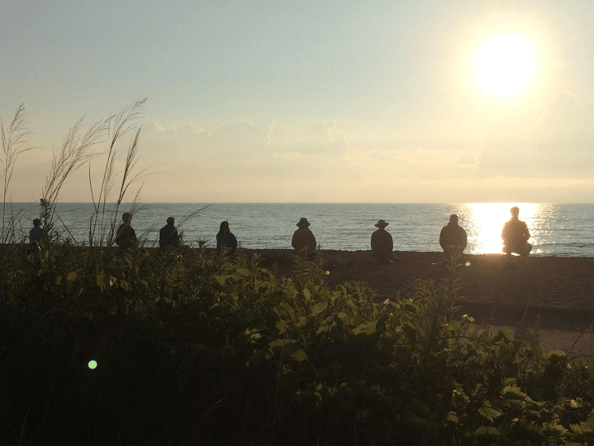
<point>381,224</point>
<point>303,222</point>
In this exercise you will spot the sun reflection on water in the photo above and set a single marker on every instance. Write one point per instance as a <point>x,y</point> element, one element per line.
<point>484,222</point>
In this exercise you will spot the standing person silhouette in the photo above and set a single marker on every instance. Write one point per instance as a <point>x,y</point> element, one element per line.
<point>126,236</point>
<point>515,235</point>
<point>225,238</point>
<point>453,239</point>
<point>303,238</point>
<point>381,243</point>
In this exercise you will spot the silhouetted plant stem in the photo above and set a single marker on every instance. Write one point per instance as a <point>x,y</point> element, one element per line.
<point>13,144</point>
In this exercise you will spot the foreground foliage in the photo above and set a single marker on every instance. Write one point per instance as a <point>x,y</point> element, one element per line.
<point>195,348</point>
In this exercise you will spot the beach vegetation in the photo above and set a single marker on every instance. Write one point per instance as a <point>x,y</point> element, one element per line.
<point>14,144</point>
<point>190,346</point>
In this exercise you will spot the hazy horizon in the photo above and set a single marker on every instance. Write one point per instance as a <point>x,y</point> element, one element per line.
<point>312,102</point>
<point>511,203</point>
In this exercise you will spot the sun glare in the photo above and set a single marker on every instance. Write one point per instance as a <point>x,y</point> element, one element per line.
<point>485,223</point>
<point>505,65</point>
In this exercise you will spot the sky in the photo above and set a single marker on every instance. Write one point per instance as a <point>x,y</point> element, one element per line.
<point>309,101</point>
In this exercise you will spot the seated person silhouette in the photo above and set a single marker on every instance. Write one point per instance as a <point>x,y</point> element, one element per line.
<point>303,238</point>
<point>168,236</point>
<point>515,235</point>
<point>225,238</point>
<point>36,234</point>
<point>126,236</point>
<point>453,239</point>
<point>381,243</point>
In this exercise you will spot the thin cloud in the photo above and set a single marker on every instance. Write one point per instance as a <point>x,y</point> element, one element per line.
<point>560,144</point>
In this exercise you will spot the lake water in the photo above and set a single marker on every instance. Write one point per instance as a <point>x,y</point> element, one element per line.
<point>556,229</point>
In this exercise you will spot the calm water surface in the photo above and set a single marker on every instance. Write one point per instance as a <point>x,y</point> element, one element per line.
<point>556,229</point>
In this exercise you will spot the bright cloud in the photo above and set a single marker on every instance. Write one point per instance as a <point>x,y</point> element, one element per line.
<point>270,160</point>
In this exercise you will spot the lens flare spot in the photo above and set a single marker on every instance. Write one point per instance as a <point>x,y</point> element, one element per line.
<point>93,364</point>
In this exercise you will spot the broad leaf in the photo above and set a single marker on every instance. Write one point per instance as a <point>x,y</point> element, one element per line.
<point>306,294</point>
<point>489,412</point>
<point>281,326</point>
<point>319,308</point>
<point>299,355</point>
<point>368,328</point>
<point>101,281</point>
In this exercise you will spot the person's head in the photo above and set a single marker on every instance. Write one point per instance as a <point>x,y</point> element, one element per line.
<point>515,211</point>
<point>303,223</point>
<point>381,224</point>
<point>454,219</point>
<point>170,221</point>
<point>224,228</point>
<point>127,217</point>
<point>37,222</point>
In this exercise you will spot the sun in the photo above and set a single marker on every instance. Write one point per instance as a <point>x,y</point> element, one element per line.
<point>505,65</point>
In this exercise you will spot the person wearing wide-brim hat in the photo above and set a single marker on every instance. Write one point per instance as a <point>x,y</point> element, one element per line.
<point>303,238</point>
<point>381,243</point>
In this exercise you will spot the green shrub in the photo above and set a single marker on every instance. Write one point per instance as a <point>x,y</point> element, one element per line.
<point>193,347</point>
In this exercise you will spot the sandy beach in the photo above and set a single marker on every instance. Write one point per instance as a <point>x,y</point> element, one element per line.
<point>554,293</point>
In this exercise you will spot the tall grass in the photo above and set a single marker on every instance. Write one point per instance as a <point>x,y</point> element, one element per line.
<point>103,223</point>
<point>13,145</point>
<point>74,152</point>
<point>77,150</point>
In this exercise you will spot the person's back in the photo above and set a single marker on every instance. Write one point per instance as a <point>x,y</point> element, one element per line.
<point>381,243</point>
<point>303,238</point>
<point>225,238</point>
<point>452,237</point>
<point>126,236</point>
<point>515,235</point>
<point>36,234</point>
<point>168,236</point>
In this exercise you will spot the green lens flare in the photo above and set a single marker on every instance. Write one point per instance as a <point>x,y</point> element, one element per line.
<point>92,365</point>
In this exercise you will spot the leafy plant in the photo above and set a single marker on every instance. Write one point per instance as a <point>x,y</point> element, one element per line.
<point>190,342</point>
